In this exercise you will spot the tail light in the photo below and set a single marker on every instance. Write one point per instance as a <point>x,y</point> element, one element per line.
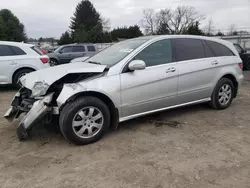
<point>44,60</point>
<point>240,65</point>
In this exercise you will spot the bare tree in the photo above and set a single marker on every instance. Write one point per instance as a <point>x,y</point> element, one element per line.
<point>176,21</point>
<point>148,21</point>
<point>232,29</point>
<point>209,30</point>
<point>106,24</point>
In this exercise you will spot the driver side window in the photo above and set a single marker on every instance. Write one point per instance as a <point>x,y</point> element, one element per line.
<point>157,53</point>
<point>67,49</point>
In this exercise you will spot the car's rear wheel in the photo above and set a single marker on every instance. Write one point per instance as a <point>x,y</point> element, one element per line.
<point>84,120</point>
<point>223,94</point>
<point>19,74</point>
<point>53,62</point>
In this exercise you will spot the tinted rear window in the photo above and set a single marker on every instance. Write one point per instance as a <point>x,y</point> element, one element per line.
<point>91,48</point>
<point>219,49</point>
<point>188,49</point>
<point>208,51</point>
<point>6,50</point>
<point>18,51</point>
<point>78,49</point>
<point>37,50</point>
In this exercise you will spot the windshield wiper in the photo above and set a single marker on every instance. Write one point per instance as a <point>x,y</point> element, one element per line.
<point>93,62</point>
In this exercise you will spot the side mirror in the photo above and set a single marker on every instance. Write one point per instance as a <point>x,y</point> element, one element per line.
<point>137,65</point>
<point>60,51</point>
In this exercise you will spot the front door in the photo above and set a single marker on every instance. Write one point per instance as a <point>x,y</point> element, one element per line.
<point>65,54</point>
<point>153,88</point>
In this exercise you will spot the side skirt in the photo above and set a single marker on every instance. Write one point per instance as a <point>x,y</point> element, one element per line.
<point>122,119</point>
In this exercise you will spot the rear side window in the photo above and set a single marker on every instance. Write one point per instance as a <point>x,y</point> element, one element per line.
<point>157,53</point>
<point>219,49</point>
<point>91,48</point>
<point>188,49</point>
<point>6,50</point>
<point>18,51</point>
<point>208,51</point>
<point>78,49</point>
<point>37,50</point>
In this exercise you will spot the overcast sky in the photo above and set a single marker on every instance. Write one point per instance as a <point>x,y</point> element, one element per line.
<point>49,18</point>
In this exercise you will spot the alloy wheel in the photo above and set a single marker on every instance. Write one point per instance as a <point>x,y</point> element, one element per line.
<point>87,122</point>
<point>225,94</point>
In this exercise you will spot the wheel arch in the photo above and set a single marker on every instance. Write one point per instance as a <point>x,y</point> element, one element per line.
<point>234,80</point>
<point>104,98</point>
<point>19,69</point>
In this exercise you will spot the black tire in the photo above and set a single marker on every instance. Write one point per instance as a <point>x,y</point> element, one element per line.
<point>215,103</point>
<point>69,112</point>
<point>19,74</point>
<point>53,62</point>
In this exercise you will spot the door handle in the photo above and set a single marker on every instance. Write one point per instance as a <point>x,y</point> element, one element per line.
<point>215,62</point>
<point>172,69</point>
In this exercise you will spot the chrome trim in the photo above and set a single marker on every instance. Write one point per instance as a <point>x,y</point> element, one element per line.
<point>161,109</point>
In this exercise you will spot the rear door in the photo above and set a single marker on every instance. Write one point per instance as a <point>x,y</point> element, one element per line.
<point>8,63</point>
<point>196,69</point>
<point>154,87</point>
<point>224,56</point>
<point>91,50</point>
<point>65,54</point>
<point>78,51</point>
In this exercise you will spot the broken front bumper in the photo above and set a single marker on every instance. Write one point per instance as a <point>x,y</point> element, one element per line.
<point>38,110</point>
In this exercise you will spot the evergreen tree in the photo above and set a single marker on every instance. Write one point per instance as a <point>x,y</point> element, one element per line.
<point>11,29</point>
<point>194,29</point>
<point>86,24</point>
<point>65,39</point>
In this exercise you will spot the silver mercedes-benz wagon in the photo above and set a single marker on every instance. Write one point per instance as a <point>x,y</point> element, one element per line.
<point>129,79</point>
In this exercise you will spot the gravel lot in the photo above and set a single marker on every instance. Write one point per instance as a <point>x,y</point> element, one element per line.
<point>188,147</point>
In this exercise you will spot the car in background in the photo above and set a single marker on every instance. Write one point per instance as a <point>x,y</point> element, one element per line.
<point>64,54</point>
<point>18,59</point>
<point>129,79</point>
<point>244,56</point>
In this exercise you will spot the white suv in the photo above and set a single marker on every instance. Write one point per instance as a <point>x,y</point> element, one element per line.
<point>18,59</point>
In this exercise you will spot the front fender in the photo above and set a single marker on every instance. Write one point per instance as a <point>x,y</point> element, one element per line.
<point>70,90</point>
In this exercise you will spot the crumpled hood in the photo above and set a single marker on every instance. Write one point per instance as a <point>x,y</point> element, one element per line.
<point>50,75</point>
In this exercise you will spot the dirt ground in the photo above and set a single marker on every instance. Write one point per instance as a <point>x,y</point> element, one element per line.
<point>187,147</point>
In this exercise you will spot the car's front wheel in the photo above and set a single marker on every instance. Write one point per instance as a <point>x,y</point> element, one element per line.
<point>84,120</point>
<point>223,94</point>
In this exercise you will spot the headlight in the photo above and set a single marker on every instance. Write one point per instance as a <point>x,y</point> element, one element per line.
<point>39,89</point>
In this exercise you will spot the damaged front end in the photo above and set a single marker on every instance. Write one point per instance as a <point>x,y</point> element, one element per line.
<point>34,109</point>
<point>38,101</point>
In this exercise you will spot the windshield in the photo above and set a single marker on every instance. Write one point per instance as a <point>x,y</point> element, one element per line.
<point>115,53</point>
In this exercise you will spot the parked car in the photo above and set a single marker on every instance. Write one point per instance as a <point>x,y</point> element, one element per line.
<point>18,59</point>
<point>244,56</point>
<point>132,78</point>
<point>64,54</point>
